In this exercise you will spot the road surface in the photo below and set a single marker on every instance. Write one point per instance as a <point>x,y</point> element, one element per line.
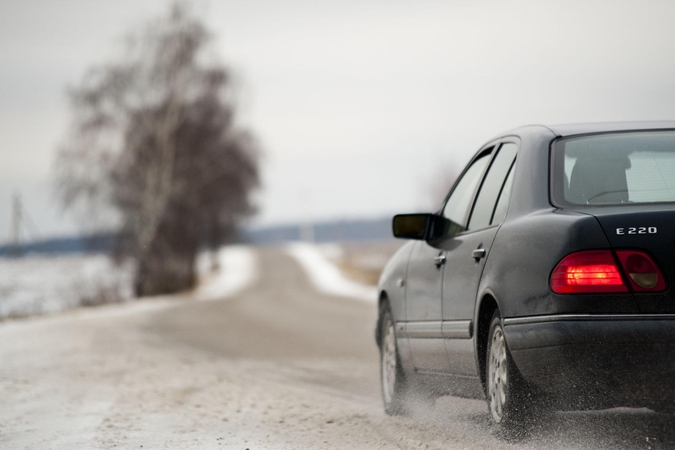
<point>277,366</point>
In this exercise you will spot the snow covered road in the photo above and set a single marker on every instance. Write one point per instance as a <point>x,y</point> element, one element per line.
<point>276,365</point>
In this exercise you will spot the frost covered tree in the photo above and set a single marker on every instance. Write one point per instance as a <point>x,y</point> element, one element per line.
<point>153,140</point>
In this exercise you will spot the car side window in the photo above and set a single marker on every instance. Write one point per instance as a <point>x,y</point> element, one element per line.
<point>457,207</point>
<point>483,210</point>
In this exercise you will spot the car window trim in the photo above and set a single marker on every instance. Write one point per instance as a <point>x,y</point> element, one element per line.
<point>501,191</point>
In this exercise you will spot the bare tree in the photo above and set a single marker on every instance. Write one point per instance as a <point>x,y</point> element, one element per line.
<point>153,140</point>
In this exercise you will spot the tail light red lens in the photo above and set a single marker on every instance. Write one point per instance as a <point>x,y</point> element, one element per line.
<point>597,271</point>
<point>589,271</point>
<point>643,274</point>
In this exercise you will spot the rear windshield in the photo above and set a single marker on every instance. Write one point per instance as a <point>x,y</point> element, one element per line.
<point>614,169</point>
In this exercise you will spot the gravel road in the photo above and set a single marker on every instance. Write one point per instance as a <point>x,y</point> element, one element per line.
<point>278,366</point>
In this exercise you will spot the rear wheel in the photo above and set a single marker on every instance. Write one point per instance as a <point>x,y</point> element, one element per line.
<point>507,395</point>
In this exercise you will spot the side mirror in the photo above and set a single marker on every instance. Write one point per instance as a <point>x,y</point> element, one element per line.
<point>424,227</point>
<point>411,226</point>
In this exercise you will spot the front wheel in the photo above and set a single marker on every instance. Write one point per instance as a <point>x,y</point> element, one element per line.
<point>392,377</point>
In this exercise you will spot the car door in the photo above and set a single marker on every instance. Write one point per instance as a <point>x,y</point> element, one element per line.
<point>466,256</point>
<point>424,307</point>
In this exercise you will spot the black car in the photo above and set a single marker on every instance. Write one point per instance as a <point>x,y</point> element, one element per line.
<point>546,278</point>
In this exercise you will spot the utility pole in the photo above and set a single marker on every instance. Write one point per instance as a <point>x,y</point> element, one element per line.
<point>307,232</point>
<point>16,226</point>
<point>307,229</point>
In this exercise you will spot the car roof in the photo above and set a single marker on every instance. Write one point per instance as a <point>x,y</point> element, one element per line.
<point>586,128</point>
<point>563,130</point>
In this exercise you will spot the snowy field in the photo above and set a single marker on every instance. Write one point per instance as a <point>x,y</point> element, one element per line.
<point>39,284</point>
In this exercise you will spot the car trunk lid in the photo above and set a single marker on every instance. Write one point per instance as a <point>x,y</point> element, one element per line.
<point>649,228</point>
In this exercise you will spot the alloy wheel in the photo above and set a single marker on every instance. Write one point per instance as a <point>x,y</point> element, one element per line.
<point>498,374</point>
<point>389,366</point>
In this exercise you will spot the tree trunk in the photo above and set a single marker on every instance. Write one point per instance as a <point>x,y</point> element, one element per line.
<point>168,275</point>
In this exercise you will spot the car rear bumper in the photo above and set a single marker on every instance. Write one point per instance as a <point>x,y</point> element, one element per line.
<point>597,360</point>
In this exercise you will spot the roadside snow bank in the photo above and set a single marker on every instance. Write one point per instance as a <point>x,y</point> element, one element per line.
<point>238,270</point>
<point>326,276</point>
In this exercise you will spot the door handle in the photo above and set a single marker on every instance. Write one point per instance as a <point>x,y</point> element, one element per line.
<point>439,260</point>
<point>478,254</point>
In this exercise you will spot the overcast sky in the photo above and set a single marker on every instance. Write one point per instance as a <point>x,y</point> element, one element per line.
<point>357,104</point>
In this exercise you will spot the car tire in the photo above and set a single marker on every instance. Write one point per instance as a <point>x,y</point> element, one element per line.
<point>392,377</point>
<point>509,402</point>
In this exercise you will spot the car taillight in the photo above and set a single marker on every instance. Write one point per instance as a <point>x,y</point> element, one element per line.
<point>586,272</point>
<point>596,271</point>
<point>643,274</point>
